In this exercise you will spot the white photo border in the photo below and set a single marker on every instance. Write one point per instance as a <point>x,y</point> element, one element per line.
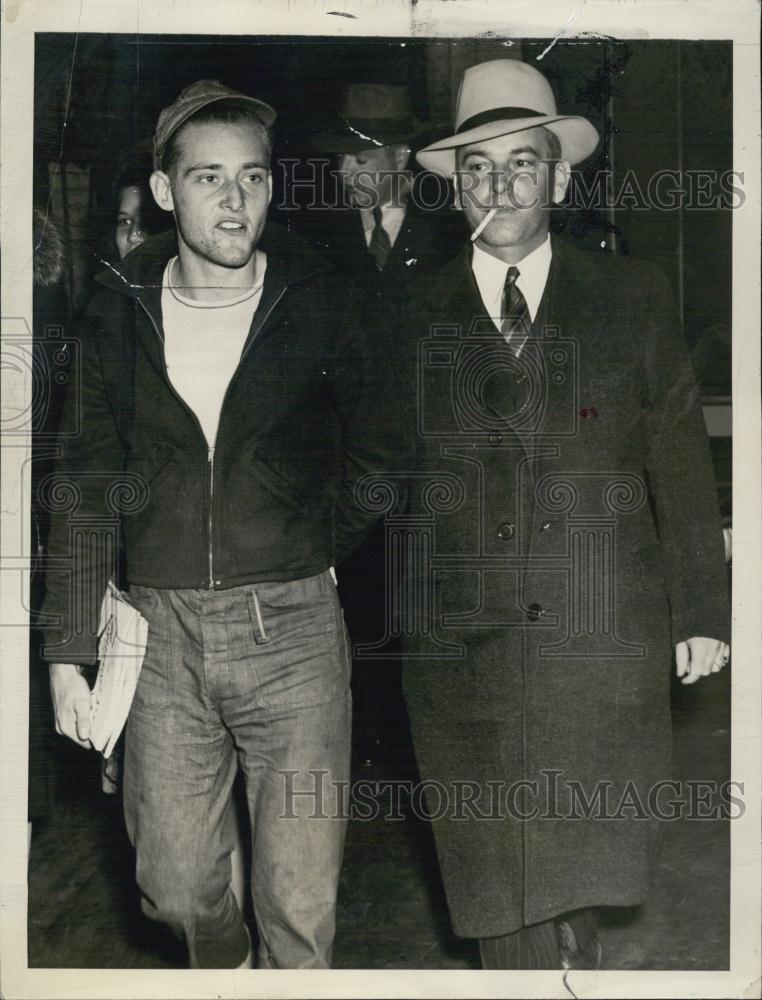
<point>738,21</point>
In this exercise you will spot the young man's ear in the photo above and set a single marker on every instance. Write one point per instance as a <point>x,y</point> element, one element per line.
<point>161,189</point>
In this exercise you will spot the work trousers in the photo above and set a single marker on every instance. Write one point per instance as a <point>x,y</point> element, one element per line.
<point>258,676</point>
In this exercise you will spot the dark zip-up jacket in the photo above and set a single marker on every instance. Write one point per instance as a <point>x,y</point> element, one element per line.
<point>306,415</point>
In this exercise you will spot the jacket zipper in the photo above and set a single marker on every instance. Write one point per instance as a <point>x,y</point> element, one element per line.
<point>210,450</point>
<point>211,503</point>
<point>222,408</point>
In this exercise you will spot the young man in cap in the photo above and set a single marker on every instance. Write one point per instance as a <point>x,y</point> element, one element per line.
<point>222,387</point>
<point>575,542</point>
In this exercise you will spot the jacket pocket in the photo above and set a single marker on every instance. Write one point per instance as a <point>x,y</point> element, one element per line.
<point>151,463</point>
<point>276,484</point>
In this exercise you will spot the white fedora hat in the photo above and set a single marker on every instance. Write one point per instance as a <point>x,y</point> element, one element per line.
<point>504,96</point>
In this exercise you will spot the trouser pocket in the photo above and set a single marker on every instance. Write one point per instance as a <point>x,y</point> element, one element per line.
<point>302,653</point>
<point>155,683</point>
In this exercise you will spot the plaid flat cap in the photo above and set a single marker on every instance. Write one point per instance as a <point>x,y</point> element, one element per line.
<point>191,100</point>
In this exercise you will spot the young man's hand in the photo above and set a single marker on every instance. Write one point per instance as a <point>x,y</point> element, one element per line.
<point>698,657</point>
<point>71,702</point>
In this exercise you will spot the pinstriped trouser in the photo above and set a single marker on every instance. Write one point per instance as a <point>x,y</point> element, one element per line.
<point>537,946</point>
<point>533,947</point>
<point>257,676</point>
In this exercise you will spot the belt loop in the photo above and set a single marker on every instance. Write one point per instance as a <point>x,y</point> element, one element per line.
<point>255,614</point>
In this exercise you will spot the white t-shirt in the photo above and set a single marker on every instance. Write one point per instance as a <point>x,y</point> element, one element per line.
<point>203,343</point>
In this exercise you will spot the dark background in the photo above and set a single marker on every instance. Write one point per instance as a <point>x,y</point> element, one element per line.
<point>658,105</point>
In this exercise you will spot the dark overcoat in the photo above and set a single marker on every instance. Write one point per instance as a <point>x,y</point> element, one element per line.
<point>563,535</point>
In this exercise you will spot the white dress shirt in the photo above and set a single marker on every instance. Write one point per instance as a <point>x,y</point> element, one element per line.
<point>490,275</point>
<point>392,217</point>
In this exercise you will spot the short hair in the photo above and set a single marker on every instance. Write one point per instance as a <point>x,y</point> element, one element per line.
<point>225,112</point>
<point>135,172</point>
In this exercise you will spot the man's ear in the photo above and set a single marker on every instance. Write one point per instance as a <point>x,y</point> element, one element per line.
<point>561,178</point>
<point>161,189</point>
<point>269,186</point>
<point>401,157</point>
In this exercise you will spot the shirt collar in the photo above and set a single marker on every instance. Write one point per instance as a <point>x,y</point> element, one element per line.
<point>388,212</point>
<point>490,275</point>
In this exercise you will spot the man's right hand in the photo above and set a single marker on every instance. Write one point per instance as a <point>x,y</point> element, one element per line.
<point>71,702</point>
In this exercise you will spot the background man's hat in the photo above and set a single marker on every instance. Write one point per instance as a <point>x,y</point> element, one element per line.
<point>504,96</point>
<point>195,97</point>
<point>372,115</point>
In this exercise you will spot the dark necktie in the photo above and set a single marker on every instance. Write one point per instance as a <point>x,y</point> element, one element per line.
<point>380,245</point>
<point>516,323</point>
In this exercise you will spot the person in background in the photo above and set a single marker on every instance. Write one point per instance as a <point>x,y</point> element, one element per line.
<point>137,214</point>
<point>132,217</point>
<point>50,312</point>
<point>381,228</point>
<point>385,236</point>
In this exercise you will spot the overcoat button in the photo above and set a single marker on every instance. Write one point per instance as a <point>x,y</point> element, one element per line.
<point>533,612</point>
<point>495,439</point>
<point>505,531</point>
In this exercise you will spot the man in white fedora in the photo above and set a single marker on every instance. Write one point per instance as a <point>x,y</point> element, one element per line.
<point>573,542</point>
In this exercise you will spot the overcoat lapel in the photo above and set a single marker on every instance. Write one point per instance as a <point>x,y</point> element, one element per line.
<point>568,303</point>
<point>454,295</point>
<point>570,315</point>
<point>453,303</point>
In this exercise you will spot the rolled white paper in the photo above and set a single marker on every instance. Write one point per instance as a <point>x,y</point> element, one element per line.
<point>485,222</point>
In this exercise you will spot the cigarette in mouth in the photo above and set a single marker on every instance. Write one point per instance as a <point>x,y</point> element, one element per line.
<point>485,222</point>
